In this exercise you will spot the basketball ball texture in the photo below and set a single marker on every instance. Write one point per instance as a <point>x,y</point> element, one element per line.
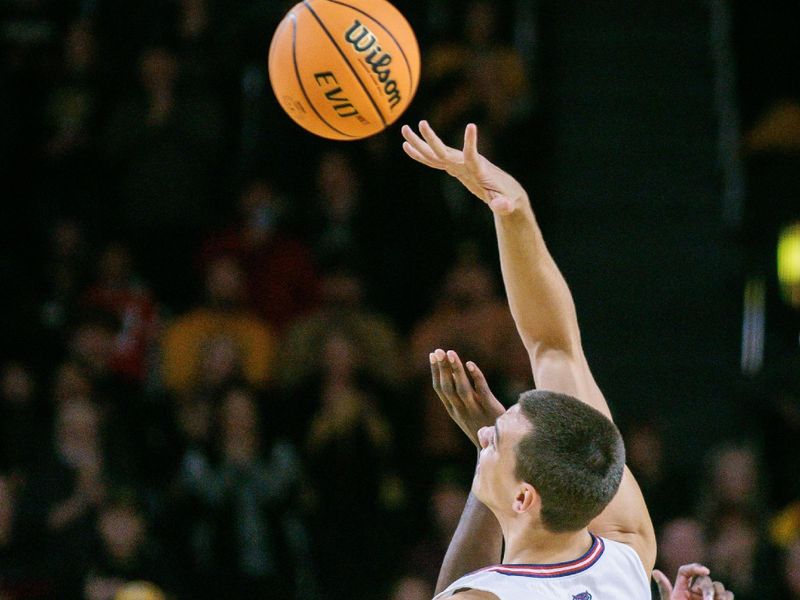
<point>344,69</point>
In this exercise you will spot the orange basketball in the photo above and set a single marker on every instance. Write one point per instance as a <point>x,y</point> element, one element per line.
<point>344,69</point>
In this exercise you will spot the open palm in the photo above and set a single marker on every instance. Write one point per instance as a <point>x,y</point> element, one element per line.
<point>499,190</point>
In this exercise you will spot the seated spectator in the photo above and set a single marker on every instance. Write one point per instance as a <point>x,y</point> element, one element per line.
<point>222,317</point>
<point>71,381</point>
<point>377,345</point>
<point>245,488</point>
<point>337,224</point>
<point>446,503</point>
<point>72,113</point>
<point>64,275</point>
<point>18,577</point>
<point>470,316</point>
<point>161,144</point>
<point>125,551</point>
<point>735,483</point>
<point>665,492</point>
<point>21,431</point>
<point>491,67</point>
<point>60,502</point>
<point>732,508</point>
<point>118,291</point>
<point>349,448</point>
<point>740,554</point>
<point>279,269</point>
<point>681,541</point>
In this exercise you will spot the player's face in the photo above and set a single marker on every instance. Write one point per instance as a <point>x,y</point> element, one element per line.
<point>495,483</point>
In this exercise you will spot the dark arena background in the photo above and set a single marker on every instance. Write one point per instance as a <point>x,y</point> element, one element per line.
<point>215,327</point>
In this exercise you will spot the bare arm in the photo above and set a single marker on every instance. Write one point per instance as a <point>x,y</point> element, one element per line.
<point>476,543</point>
<point>542,307</point>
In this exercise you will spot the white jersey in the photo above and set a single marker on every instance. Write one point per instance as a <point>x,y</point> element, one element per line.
<point>608,571</point>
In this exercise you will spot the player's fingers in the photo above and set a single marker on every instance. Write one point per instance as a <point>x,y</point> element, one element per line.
<point>719,591</point>
<point>435,143</point>
<point>418,144</point>
<point>685,573</point>
<point>471,156</point>
<point>435,374</point>
<point>702,585</point>
<point>463,386</point>
<point>414,153</point>
<point>445,376</point>
<point>481,386</point>
<point>664,586</point>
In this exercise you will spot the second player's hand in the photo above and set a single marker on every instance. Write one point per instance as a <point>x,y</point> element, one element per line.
<point>470,406</point>
<point>499,190</point>
<point>692,583</point>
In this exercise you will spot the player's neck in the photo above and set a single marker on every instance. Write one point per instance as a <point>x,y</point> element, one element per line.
<point>542,547</point>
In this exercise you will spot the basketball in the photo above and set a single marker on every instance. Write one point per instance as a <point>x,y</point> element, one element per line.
<point>344,69</point>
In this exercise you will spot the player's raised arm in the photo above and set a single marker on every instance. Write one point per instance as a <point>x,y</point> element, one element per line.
<point>539,298</point>
<point>542,307</point>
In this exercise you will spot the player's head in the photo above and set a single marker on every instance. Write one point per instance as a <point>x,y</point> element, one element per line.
<point>550,457</point>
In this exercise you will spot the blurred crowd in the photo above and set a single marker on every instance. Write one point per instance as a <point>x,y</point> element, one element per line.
<point>214,370</point>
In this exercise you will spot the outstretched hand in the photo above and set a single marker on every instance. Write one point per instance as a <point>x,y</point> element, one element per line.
<point>499,190</point>
<point>470,404</point>
<point>692,583</point>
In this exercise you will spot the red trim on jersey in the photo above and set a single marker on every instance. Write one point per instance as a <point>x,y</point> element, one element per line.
<point>554,570</point>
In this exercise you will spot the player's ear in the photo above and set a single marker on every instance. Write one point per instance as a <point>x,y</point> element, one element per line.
<point>527,499</point>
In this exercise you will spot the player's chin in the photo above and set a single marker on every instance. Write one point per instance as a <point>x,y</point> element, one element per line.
<point>477,488</point>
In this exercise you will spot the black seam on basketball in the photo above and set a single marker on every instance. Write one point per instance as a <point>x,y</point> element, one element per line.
<point>347,62</point>
<point>300,81</point>
<point>382,26</point>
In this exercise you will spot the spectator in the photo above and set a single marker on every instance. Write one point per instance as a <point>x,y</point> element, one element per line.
<point>281,276</point>
<point>221,325</point>
<point>681,541</point>
<point>118,291</point>
<point>377,345</point>
<point>162,145</point>
<point>338,228</point>
<point>445,506</point>
<point>65,274</point>
<point>17,562</point>
<point>125,550</point>
<point>470,316</point>
<point>246,488</point>
<point>72,116</point>
<point>71,382</point>
<point>665,493</point>
<point>350,458</point>
<point>740,555</point>
<point>65,490</point>
<point>21,434</point>
<point>479,74</point>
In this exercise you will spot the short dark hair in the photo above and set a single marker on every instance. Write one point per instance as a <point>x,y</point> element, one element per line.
<point>574,457</point>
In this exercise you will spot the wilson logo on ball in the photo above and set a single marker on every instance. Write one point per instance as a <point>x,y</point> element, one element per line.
<point>363,40</point>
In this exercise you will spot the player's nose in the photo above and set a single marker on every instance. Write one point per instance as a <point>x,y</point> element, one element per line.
<point>484,436</point>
